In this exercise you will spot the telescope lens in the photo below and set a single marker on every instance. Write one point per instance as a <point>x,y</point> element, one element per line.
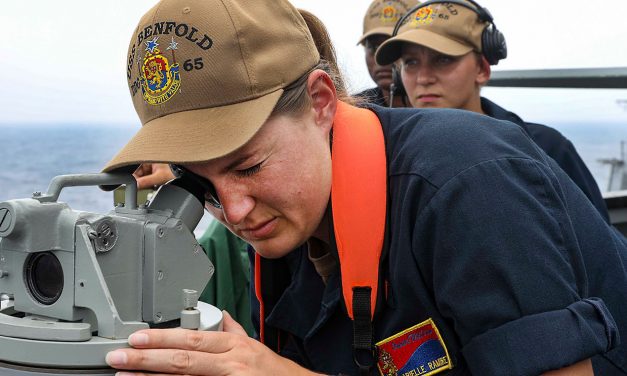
<point>44,277</point>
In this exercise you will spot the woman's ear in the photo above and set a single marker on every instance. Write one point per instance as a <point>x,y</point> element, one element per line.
<point>323,97</point>
<point>483,75</point>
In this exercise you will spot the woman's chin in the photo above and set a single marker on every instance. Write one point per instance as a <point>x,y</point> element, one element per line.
<point>272,248</point>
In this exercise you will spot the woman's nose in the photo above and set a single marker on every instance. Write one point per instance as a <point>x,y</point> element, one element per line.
<point>236,204</point>
<point>424,74</point>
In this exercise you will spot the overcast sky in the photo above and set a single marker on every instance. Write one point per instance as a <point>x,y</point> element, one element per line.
<point>63,61</point>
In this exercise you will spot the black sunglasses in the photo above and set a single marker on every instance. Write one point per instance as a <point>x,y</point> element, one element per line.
<point>208,190</point>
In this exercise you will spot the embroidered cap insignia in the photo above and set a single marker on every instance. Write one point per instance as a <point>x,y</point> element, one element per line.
<point>389,14</point>
<point>423,16</point>
<point>159,80</point>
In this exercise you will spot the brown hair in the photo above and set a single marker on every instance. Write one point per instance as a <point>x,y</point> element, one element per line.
<point>294,99</point>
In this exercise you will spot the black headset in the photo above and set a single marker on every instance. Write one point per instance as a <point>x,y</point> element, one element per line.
<point>493,44</point>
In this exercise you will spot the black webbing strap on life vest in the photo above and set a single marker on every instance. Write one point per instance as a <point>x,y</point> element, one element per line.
<point>359,207</point>
<point>363,350</point>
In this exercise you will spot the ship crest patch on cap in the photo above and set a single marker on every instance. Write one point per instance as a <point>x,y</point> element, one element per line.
<point>160,81</point>
<point>386,12</point>
<point>423,16</point>
<point>389,13</point>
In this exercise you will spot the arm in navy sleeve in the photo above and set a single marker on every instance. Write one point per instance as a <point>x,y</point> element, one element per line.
<point>497,247</point>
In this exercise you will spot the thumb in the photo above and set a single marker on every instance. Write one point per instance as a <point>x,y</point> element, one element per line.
<point>143,169</point>
<point>232,326</point>
<point>149,181</point>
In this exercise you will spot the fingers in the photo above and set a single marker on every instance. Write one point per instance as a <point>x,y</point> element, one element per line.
<point>232,326</point>
<point>150,181</point>
<point>208,341</point>
<point>153,174</point>
<point>179,362</point>
<point>189,352</point>
<point>182,352</point>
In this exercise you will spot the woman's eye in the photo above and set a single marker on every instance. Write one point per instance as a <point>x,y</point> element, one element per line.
<point>410,62</point>
<point>249,171</point>
<point>444,59</point>
<point>213,202</point>
<point>409,65</point>
<point>211,197</point>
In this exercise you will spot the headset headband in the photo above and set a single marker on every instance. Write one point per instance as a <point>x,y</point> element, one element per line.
<point>483,13</point>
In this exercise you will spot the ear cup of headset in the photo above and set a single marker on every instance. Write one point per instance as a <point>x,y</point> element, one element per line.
<point>493,44</point>
<point>399,89</point>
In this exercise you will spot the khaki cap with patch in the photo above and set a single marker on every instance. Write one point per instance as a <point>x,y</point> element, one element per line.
<point>448,28</point>
<point>204,75</point>
<point>382,16</point>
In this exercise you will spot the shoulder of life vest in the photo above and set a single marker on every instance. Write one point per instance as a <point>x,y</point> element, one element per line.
<point>359,199</point>
<point>359,203</point>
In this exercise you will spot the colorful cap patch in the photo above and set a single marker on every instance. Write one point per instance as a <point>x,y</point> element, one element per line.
<point>423,16</point>
<point>382,15</point>
<point>159,80</point>
<point>418,350</point>
<point>389,14</point>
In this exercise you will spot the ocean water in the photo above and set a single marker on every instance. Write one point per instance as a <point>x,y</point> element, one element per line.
<point>31,155</point>
<point>594,142</point>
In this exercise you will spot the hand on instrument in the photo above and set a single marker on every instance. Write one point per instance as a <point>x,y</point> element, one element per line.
<point>190,352</point>
<point>149,175</point>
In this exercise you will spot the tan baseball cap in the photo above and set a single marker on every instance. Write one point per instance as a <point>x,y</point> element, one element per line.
<point>204,75</point>
<point>448,28</point>
<point>382,16</point>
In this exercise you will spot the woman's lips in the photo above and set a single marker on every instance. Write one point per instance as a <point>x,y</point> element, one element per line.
<point>260,231</point>
<point>428,98</point>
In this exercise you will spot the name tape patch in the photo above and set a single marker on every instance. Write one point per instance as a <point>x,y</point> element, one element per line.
<point>418,350</point>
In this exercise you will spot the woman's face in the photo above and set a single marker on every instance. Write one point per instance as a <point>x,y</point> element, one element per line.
<point>274,190</point>
<point>433,79</point>
<point>380,74</point>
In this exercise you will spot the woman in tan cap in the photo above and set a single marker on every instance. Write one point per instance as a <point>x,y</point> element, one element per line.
<point>379,22</point>
<point>444,52</point>
<point>406,241</point>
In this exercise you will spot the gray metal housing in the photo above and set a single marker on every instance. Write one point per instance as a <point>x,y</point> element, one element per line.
<point>121,272</point>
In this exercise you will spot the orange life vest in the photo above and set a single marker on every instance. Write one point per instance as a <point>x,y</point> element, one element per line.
<point>359,202</point>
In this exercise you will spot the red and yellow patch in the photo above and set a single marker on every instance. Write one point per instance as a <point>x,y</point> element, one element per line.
<point>389,14</point>
<point>423,16</point>
<point>418,350</point>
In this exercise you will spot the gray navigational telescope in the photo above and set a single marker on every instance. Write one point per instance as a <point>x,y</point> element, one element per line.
<point>75,285</point>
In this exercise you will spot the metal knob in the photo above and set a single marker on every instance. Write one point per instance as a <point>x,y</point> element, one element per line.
<point>190,316</point>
